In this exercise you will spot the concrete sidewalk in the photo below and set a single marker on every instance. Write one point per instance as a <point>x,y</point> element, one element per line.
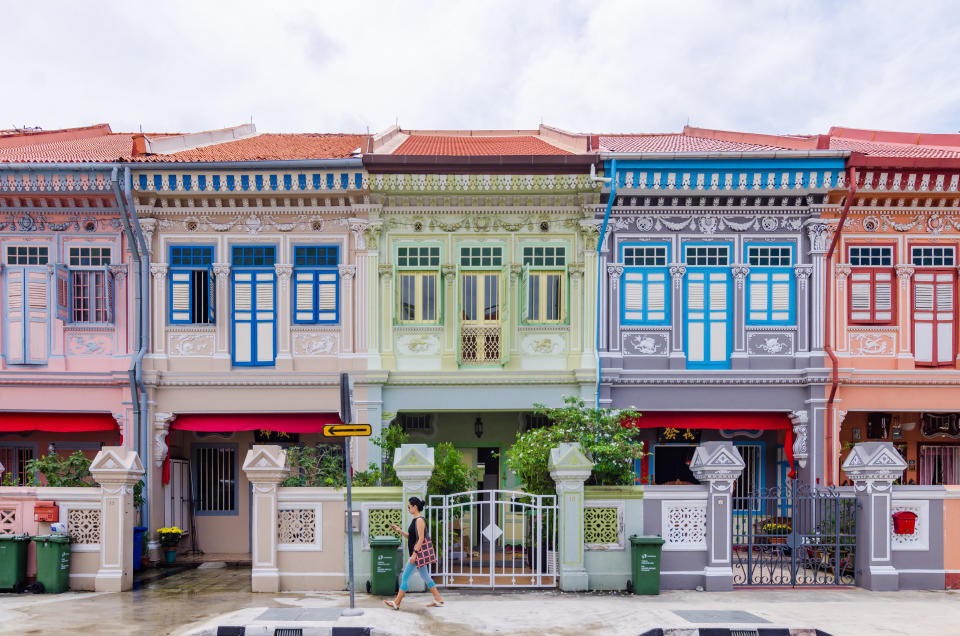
<point>196,602</point>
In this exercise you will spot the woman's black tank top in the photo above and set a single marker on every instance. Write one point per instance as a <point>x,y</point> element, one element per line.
<point>412,535</point>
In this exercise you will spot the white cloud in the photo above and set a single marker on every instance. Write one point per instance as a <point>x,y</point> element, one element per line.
<point>794,66</point>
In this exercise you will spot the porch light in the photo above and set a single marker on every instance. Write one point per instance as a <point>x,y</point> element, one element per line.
<point>478,428</point>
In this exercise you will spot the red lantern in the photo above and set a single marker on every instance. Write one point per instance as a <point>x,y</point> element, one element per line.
<point>904,522</point>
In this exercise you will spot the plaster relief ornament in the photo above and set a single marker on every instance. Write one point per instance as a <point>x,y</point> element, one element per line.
<point>771,345</point>
<point>644,223</point>
<point>252,224</point>
<point>644,345</point>
<point>313,343</point>
<point>871,223</point>
<point>769,223</point>
<point>871,344</point>
<point>191,344</point>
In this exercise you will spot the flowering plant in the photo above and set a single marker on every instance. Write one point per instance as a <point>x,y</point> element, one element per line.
<point>772,527</point>
<point>169,537</point>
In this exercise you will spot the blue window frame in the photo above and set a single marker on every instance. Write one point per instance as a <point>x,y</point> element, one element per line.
<point>215,479</point>
<point>254,305</point>
<point>192,285</point>
<point>158,182</point>
<point>708,305</point>
<point>770,284</point>
<point>645,288</point>
<point>142,179</point>
<point>316,284</point>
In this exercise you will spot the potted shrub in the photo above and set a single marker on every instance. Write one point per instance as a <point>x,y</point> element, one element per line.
<point>776,531</point>
<point>169,538</point>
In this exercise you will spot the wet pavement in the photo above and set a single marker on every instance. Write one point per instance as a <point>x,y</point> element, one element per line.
<point>187,601</point>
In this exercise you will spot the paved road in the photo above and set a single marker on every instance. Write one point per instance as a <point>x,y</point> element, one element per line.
<point>190,601</point>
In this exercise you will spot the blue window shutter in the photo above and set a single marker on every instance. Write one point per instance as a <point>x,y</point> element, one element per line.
<point>243,331</point>
<point>187,182</point>
<point>316,181</point>
<point>288,182</point>
<point>172,181</point>
<point>143,181</point>
<point>180,294</point>
<point>157,182</point>
<point>265,335</point>
<point>15,315</point>
<point>344,181</point>
<point>304,297</point>
<point>329,181</point>
<point>258,182</point>
<point>328,296</point>
<point>358,180</point>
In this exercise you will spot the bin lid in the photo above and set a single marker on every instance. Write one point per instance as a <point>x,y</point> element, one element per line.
<point>385,542</point>
<point>54,538</point>
<point>14,537</point>
<point>638,540</point>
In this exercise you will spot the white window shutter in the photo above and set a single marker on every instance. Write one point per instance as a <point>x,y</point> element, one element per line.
<point>304,297</point>
<point>780,301</point>
<point>37,315</point>
<point>243,317</point>
<point>759,301</point>
<point>63,293</point>
<point>883,303</point>
<point>327,296</point>
<point>860,296</point>
<point>15,317</point>
<point>633,296</point>
<point>656,296</point>
<point>265,318</point>
<point>180,296</point>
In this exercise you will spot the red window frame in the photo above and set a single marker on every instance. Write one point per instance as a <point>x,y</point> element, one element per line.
<point>952,272</point>
<point>873,271</point>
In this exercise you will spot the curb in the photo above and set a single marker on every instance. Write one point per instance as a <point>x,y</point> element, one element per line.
<point>287,630</point>
<point>728,631</point>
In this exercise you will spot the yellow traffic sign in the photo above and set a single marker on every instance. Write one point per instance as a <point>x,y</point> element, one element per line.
<point>347,430</point>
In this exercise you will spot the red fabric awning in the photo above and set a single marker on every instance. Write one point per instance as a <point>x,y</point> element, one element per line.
<point>57,422</point>
<point>720,420</point>
<point>279,422</point>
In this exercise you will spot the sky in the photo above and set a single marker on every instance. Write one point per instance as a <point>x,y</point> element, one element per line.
<point>586,66</point>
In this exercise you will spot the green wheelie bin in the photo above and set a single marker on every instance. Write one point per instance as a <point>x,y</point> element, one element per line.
<point>384,557</point>
<point>53,563</point>
<point>13,561</point>
<point>645,564</point>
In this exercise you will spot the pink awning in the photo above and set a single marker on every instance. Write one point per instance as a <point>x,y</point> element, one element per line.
<point>57,422</point>
<point>279,422</point>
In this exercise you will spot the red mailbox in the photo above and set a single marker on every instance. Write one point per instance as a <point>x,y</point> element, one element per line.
<point>46,511</point>
<point>904,522</point>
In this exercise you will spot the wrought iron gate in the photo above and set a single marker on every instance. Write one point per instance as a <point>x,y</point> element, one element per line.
<point>494,538</point>
<point>794,535</point>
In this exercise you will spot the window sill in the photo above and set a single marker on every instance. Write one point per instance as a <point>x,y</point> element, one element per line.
<point>878,327</point>
<point>211,328</point>
<point>545,327</point>
<point>641,327</point>
<point>89,326</point>
<point>424,328</point>
<point>769,326</point>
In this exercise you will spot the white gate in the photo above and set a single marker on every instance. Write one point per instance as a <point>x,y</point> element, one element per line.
<point>494,538</point>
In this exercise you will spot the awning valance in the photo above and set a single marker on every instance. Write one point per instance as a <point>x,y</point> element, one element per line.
<point>279,422</point>
<point>750,421</point>
<point>57,422</point>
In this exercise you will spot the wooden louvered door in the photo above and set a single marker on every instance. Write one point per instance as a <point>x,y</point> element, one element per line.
<point>707,318</point>
<point>254,318</point>
<point>934,318</point>
<point>871,296</point>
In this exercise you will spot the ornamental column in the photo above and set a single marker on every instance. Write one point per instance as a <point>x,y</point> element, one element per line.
<point>451,339</point>
<point>818,235</point>
<point>347,273</point>
<point>738,358</point>
<point>509,299</point>
<point>873,467</point>
<point>799,420</point>
<point>387,306</point>
<point>282,304</point>
<point>570,468</point>
<point>718,465</point>
<point>413,464</point>
<point>222,347</point>
<point>614,272</point>
<point>116,470</point>
<point>265,466</point>
<point>580,338</point>
<point>678,359</point>
<point>802,273</point>
<point>158,308</point>
<point>905,359</point>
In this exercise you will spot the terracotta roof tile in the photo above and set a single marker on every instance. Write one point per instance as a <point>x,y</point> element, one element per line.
<point>892,149</point>
<point>102,148</point>
<point>270,147</point>
<point>463,145</point>
<point>676,142</point>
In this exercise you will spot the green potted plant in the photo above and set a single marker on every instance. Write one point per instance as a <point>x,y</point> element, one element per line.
<point>169,538</point>
<point>776,531</point>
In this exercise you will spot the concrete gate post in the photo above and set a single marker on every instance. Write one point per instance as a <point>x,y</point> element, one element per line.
<point>718,465</point>
<point>570,468</point>
<point>873,467</point>
<point>265,466</point>
<point>117,470</point>
<point>413,464</point>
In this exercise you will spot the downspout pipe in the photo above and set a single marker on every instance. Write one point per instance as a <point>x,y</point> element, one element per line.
<point>827,318</point>
<point>612,180</point>
<point>134,372</point>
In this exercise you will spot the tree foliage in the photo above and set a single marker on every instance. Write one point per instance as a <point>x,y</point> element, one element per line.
<point>61,472</point>
<point>450,474</point>
<point>611,447</point>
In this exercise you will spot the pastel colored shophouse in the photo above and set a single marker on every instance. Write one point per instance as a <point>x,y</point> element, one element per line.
<point>69,323</point>
<point>259,261</point>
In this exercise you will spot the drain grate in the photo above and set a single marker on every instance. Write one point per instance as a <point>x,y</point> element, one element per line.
<point>744,632</point>
<point>288,631</point>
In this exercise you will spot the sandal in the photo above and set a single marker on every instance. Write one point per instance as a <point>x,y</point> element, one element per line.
<point>392,605</point>
<point>435,604</point>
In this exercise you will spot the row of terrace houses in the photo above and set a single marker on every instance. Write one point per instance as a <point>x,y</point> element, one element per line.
<point>188,296</point>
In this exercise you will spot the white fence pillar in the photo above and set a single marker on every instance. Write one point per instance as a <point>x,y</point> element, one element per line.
<point>873,467</point>
<point>265,466</point>
<point>718,465</point>
<point>413,464</point>
<point>117,470</point>
<point>570,468</point>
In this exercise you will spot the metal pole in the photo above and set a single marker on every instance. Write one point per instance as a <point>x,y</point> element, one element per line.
<point>345,416</point>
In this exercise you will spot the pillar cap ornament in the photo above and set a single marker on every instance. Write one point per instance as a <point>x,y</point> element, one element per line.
<point>159,270</point>
<point>347,272</point>
<point>413,462</point>
<point>116,465</point>
<point>799,421</point>
<point>874,466</point>
<point>266,463</point>
<point>716,461</point>
<point>221,270</point>
<point>569,464</point>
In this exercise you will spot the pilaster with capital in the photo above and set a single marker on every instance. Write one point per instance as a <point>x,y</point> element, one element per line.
<point>222,273</point>
<point>158,273</point>
<point>284,272</point>
<point>739,273</point>
<point>570,468</point>
<point>148,226</point>
<point>803,273</point>
<point>799,420</point>
<point>614,272</point>
<point>347,273</point>
<point>873,467</point>
<point>358,228</point>
<point>677,355</point>
<point>450,340</point>
<point>116,470</point>
<point>905,333</point>
<point>718,465</point>
<point>387,309</point>
<point>513,291</point>
<point>586,314</point>
<point>578,308</point>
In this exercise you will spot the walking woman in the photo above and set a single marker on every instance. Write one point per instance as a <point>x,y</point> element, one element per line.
<point>415,536</point>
